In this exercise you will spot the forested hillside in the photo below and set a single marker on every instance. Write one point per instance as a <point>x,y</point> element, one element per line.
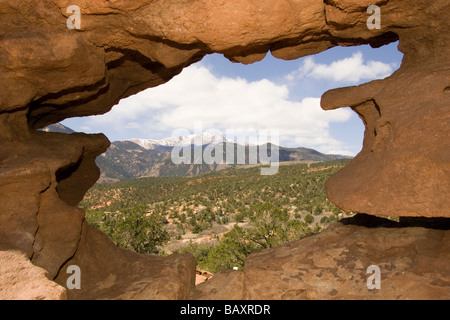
<point>220,217</point>
<point>126,160</point>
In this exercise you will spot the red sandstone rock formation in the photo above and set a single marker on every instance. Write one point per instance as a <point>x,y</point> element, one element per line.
<point>412,260</point>
<point>21,280</point>
<point>49,72</point>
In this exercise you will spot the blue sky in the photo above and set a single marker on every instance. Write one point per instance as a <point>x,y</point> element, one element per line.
<point>270,94</point>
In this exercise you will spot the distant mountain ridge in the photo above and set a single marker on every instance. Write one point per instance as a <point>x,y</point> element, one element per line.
<point>58,127</point>
<point>136,158</point>
<point>132,159</point>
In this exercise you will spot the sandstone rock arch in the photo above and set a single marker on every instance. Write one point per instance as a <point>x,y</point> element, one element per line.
<point>49,72</point>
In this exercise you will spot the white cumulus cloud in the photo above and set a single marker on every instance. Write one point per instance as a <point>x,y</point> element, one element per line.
<point>352,69</point>
<point>222,103</point>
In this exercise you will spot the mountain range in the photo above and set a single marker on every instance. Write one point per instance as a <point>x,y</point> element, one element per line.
<point>136,158</point>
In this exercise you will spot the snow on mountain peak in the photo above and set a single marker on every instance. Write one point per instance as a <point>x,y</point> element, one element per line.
<point>193,139</point>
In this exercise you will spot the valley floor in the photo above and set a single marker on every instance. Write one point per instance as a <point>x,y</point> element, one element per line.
<point>219,217</point>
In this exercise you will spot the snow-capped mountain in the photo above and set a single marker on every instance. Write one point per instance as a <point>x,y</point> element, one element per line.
<point>137,158</point>
<point>197,140</point>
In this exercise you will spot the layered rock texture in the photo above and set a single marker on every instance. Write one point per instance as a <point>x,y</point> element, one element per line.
<point>49,72</point>
<point>412,257</point>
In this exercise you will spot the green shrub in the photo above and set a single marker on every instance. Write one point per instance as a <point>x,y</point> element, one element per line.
<point>132,229</point>
<point>309,219</point>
